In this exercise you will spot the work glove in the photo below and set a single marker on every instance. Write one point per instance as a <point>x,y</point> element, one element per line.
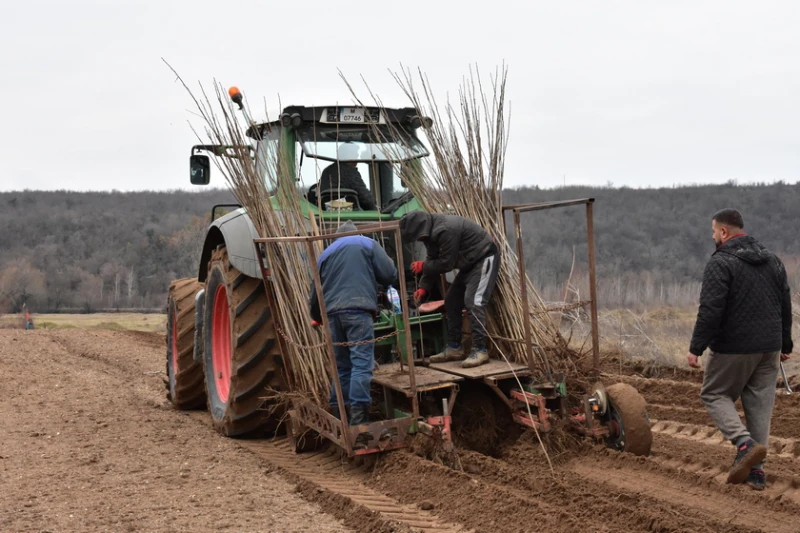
<point>315,324</point>
<point>419,294</point>
<point>416,267</point>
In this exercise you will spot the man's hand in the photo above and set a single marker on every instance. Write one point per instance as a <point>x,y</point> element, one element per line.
<point>419,294</point>
<point>417,266</point>
<point>694,361</point>
<point>785,357</point>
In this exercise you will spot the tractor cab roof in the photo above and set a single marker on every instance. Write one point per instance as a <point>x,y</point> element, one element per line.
<point>406,118</point>
<point>374,133</point>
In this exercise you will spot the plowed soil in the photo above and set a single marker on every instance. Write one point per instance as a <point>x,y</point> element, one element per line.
<point>89,444</point>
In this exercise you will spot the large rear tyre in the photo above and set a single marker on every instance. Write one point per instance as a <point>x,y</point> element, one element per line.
<point>185,375</point>
<point>241,359</point>
<point>629,421</point>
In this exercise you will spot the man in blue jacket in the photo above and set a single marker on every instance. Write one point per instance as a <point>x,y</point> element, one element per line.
<point>350,269</point>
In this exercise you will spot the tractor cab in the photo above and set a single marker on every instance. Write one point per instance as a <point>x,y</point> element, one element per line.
<point>340,158</point>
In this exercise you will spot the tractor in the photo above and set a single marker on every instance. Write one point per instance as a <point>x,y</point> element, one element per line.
<point>224,346</point>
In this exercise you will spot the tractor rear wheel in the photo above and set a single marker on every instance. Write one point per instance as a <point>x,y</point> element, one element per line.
<point>241,356</point>
<point>185,375</point>
<point>629,421</point>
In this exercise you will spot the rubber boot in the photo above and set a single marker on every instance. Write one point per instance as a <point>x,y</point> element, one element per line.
<point>360,416</point>
<point>476,358</point>
<point>449,354</point>
<point>335,411</point>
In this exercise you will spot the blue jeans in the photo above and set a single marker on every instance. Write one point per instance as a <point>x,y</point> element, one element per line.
<point>354,363</point>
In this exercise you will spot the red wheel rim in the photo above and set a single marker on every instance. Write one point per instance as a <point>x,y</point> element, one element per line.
<point>174,344</point>
<point>221,344</point>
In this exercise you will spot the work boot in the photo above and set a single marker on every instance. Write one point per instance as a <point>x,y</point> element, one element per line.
<point>335,411</point>
<point>449,354</point>
<point>476,358</point>
<point>359,416</point>
<point>748,454</point>
<point>757,479</point>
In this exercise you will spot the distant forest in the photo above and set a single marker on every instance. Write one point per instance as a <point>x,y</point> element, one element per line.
<point>99,250</point>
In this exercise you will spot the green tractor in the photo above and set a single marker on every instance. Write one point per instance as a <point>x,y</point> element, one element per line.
<point>224,349</point>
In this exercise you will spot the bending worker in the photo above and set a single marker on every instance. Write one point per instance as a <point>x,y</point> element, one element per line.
<point>453,242</point>
<point>349,270</point>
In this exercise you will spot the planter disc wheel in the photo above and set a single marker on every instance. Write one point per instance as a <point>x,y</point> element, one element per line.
<point>629,423</point>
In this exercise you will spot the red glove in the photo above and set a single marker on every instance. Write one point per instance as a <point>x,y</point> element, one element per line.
<point>416,267</point>
<point>315,324</point>
<point>419,294</point>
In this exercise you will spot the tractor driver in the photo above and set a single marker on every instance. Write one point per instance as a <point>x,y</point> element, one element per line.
<point>453,242</point>
<point>343,174</point>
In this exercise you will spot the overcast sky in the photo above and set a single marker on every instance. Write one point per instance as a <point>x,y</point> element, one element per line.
<point>638,93</point>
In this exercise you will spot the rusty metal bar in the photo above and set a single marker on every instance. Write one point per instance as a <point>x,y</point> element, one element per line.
<point>311,238</point>
<point>312,254</point>
<point>524,208</point>
<point>401,271</point>
<point>593,287</point>
<point>523,281</point>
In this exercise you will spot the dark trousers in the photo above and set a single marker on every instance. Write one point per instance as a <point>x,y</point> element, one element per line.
<point>472,290</point>
<point>354,363</point>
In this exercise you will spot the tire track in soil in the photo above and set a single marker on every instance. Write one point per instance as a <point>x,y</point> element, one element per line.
<point>338,485</point>
<point>680,401</point>
<point>778,446</point>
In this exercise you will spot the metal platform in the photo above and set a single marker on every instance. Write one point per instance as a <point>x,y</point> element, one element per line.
<point>493,368</point>
<point>390,375</point>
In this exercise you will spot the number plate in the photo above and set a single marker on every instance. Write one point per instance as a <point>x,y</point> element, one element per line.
<point>352,115</point>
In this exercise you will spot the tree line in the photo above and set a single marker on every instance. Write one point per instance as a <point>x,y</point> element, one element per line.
<point>62,250</point>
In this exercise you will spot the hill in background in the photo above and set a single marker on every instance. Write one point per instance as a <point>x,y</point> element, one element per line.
<point>70,250</point>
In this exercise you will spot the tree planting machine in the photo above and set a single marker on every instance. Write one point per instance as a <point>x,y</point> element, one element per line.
<point>224,343</point>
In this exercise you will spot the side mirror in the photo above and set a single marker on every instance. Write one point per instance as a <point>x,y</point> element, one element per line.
<point>199,169</point>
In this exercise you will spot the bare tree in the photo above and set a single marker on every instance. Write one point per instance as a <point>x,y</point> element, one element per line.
<point>21,283</point>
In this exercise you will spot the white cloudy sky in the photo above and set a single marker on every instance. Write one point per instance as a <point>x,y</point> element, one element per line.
<point>641,93</point>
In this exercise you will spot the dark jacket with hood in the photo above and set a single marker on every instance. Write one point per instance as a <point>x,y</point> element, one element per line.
<point>349,269</point>
<point>745,303</point>
<point>451,242</point>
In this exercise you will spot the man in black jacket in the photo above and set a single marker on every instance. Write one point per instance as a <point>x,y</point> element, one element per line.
<point>745,318</point>
<point>453,242</point>
<point>349,270</point>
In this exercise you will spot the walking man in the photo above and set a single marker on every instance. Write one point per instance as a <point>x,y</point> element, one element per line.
<point>453,242</point>
<point>350,269</point>
<point>745,318</point>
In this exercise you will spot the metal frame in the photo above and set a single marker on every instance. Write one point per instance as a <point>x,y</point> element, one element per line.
<point>345,435</point>
<point>525,208</point>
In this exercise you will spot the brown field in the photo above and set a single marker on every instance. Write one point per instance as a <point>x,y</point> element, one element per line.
<point>112,321</point>
<point>90,444</point>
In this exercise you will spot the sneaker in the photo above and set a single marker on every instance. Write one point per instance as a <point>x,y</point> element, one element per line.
<point>449,354</point>
<point>749,453</point>
<point>757,479</point>
<point>476,358</point>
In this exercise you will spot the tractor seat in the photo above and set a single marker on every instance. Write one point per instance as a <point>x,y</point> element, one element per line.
<point>349,195</point>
